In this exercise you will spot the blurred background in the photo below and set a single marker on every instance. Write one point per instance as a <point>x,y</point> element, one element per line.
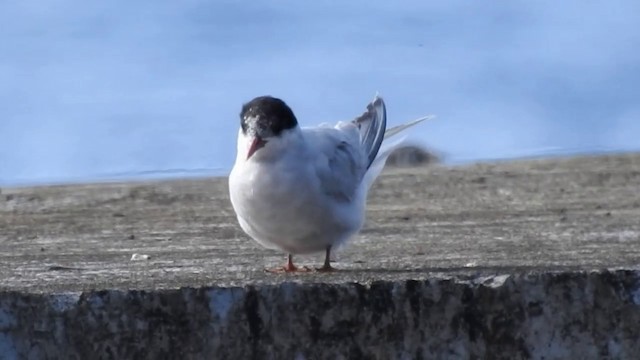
<point>119,89</point>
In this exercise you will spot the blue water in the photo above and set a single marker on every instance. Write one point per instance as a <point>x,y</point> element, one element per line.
<point>121,89</point>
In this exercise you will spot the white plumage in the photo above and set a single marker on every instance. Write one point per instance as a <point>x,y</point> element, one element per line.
<point>305,189</point>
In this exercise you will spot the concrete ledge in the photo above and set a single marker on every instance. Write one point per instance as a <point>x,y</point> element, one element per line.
<point>580,315</point>
<point>499,260</point>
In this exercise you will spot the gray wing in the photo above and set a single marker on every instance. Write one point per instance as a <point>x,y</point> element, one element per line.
<point>340,162</point>
<point>372,125</point>
<point>346,170</point>
<point>346,151</point>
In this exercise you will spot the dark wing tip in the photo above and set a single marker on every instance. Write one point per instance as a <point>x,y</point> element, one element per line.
<point>372,124</point>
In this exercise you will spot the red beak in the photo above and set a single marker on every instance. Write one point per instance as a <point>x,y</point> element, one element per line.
<point>256,144</point>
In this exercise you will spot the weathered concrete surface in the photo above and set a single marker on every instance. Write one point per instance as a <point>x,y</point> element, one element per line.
<point>540,316</point>
<point>494,260</point>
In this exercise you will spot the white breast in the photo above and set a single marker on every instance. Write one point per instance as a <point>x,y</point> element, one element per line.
<point>280,203</point>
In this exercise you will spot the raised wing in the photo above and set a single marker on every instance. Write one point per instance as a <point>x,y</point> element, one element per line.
<point>345,152</point>
<point>372,125</point>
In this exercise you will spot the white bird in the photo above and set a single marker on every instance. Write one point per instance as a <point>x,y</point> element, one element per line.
<point>303,190</point>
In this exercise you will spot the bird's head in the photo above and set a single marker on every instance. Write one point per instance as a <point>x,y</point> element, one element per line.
<point>264,119</point>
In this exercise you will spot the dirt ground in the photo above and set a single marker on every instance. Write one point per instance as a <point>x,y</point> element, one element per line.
<point>526,215</point>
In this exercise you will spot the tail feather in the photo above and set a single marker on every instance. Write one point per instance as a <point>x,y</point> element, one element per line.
<point>396,129</point>
<point>372,125</point>
<point>387,147</point>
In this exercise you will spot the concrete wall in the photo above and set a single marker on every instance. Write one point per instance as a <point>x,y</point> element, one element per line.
<point>578,315</point>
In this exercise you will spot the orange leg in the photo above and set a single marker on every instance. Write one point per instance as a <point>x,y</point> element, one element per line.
<point>288,267</point>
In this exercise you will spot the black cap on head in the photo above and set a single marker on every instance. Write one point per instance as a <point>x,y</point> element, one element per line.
<point>266,116</point>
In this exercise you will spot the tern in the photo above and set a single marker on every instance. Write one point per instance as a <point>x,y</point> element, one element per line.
<point>303,190</point>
